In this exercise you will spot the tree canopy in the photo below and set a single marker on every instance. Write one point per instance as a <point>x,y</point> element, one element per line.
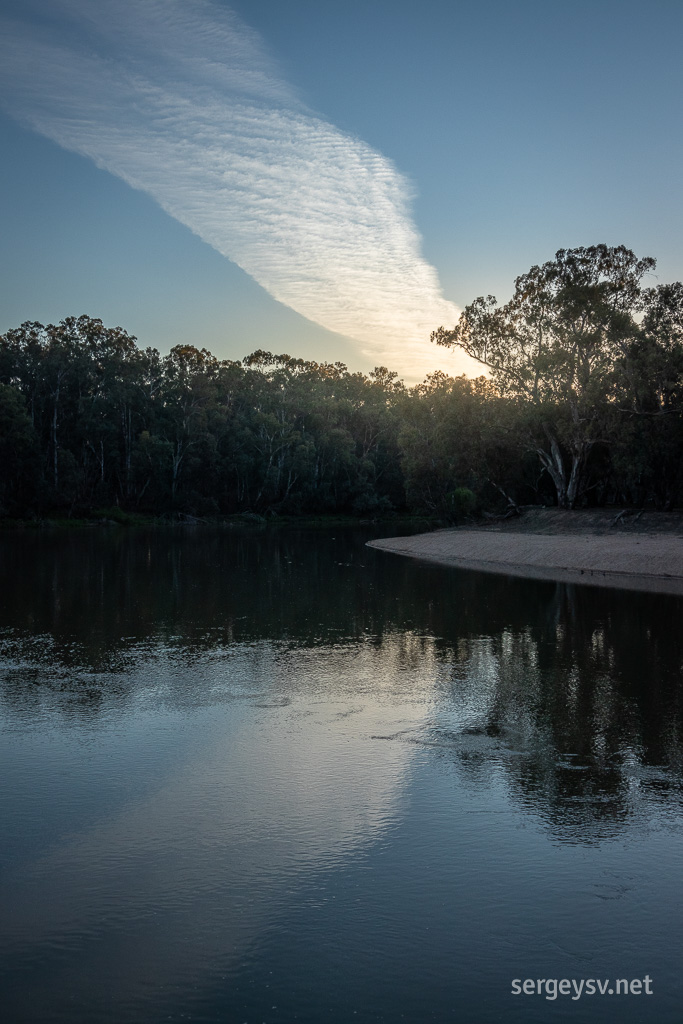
<point>562,347</point>
<point>583,403</point>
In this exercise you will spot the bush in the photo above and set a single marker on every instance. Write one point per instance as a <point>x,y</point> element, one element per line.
<point>461,502</point>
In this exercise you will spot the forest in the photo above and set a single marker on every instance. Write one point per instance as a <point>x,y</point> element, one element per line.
<point>580,402</point>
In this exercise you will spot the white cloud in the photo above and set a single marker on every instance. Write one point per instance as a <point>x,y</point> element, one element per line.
<point>179,99</point>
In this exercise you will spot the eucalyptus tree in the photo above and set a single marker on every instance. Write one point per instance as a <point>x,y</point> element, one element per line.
<point>648,455</point>
<point>80,382</point>
<point>183,412</point>
<point>457,440</point>
<point>35,361</point>
<point>19,454</point>
<point>554,346</point>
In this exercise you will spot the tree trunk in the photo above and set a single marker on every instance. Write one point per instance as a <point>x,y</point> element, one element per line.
<point>554,464</point>
<point>127,435</point>
<point>55,450</point>
<point>579,460</point>
<point>177,458</point>
<point>55,460</point>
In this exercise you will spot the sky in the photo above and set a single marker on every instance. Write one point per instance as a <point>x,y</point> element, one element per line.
<point>332,180</point>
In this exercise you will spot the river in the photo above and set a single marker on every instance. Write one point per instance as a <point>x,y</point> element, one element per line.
<point>272,775</point>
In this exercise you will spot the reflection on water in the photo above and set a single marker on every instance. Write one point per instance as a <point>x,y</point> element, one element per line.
<point>274,775</point>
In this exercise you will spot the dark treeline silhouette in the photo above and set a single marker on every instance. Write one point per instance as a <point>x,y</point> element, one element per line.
<point>582,405</point>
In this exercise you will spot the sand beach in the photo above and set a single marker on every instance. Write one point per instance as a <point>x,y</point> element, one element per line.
<point>635,551</point>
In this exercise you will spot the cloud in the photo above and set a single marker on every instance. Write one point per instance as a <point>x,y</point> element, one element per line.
<point>180,99</point>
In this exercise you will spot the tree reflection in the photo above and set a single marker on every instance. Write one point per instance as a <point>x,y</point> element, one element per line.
<point>585,708</point>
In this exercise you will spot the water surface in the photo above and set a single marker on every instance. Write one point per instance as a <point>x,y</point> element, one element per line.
<point>273,775</point>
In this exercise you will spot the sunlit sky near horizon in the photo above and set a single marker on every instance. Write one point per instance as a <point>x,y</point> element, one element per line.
<point>331,180</point>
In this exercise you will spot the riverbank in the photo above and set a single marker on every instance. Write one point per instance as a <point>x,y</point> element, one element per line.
<point>119,518</point>
<point>634,551</point>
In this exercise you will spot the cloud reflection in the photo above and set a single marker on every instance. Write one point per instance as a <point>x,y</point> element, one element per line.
<point>275,783</point>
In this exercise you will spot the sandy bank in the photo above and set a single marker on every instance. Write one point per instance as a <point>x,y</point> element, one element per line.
<point>634,561</point>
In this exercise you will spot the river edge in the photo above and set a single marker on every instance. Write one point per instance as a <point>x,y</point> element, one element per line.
<point>132,521</point>
<point>565,547</point>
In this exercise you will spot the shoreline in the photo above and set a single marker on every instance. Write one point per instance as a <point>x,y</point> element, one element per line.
<point>126,520</point>
<point>628,561</point>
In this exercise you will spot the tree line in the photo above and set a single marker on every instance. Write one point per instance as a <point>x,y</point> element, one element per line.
<point>581,404</point>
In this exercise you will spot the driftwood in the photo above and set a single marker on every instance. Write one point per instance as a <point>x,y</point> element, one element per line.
<point>627,512</point>
<point>514,509</point>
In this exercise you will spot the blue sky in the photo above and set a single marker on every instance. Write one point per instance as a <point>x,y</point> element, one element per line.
<point>336,179</point>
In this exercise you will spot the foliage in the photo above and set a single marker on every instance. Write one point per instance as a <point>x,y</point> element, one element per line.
<point>19,454</point>
<point>584,403</point>
<point>112,425</point>
<point>555,346</point>
<point>457,434</point>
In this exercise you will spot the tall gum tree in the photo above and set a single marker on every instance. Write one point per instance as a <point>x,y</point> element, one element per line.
<point>649,395</point>
<point>554,347</point>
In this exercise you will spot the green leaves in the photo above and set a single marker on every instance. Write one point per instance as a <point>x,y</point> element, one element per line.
<point>559,342</point>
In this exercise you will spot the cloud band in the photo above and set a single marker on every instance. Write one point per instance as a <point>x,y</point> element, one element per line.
<point>179,99</point>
